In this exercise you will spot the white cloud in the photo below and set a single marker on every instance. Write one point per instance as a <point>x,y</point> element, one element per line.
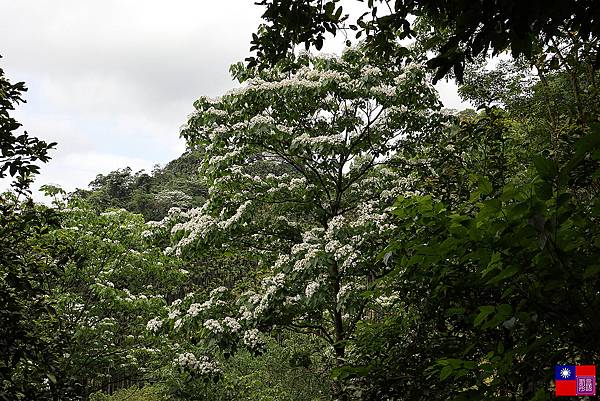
<point>449,95</point>
<point>112,81</point>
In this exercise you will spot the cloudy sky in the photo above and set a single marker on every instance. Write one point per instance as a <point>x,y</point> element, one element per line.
<point>113,80</point>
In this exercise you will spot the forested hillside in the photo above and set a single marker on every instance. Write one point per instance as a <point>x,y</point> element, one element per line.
<point>332,231</point>
<point>150,194</point>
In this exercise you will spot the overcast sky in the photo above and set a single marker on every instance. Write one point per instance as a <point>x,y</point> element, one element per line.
<point>113,80</point>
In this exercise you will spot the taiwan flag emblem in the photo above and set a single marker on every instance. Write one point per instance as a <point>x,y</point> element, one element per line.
<point>575,380</point>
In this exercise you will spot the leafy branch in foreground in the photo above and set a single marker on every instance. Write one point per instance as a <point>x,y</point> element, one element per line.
<point>18,152</point>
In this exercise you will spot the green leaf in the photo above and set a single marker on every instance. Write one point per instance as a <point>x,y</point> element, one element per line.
<point>495,263</point>
<point>345,372</point>
<point>485,311</point>
<point>455,311</point>
<point>338,13</point>
<point>504,310</point>
<point>329,7</point>
<point>504,274</point>
<point>485,187</point>
<point>51,377</point>
<point>546,168</point>
<point>445,372</point>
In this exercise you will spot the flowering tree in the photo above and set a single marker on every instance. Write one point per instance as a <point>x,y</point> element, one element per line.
<point>299,171</point>
<point>110,281</point>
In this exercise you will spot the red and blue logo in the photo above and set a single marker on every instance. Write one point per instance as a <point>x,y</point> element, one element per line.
<point>575,380</point>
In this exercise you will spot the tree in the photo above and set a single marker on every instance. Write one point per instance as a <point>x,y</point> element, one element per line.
<point>464,29</point>
<point>297,167</point>
<point>26,316</point>
<point>112,282</point>
<point>78,289</point>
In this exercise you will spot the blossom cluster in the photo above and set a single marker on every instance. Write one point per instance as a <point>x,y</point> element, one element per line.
<point>252,339</point>
<point>154,325</point>
<point>204,366</point>
<point>214,326</point>
<point>311,289</point>
<point>232,324</point>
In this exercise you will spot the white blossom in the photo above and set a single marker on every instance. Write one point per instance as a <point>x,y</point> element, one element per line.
<point>252,339</point>
<point>233,324</point>
<point>387,300</point>
<point>385,90</point>
<point>194,310</point>
<point>292,300</point>
<point>218,290</point>
<point>204,366</point>
<point>245,313</point>
<point>311,288</point>
<point>154,325</point>
<point>208,367</point>
<point>213,325</point>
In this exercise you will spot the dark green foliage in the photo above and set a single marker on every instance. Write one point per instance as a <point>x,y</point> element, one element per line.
<point>467,28</point>
<point>499,279</point>
<point>28,340</point>
<point>27,317</point>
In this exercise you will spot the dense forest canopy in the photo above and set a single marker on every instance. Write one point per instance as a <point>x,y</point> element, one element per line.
<point>332,232</point>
